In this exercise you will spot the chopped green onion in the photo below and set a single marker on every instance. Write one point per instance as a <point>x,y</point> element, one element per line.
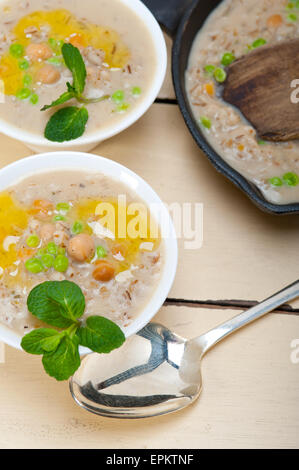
<point>291,179</point>
<point>206,122</point>
<point>34,265</point>
<point>52,248</point>
<point>55,61</point>
<point>63,207</point>
<point>118,96</point>
<point>77,227</point>
<point>261,142</point>
<point>227,59</point>
<point>34,98</point>
<point>33,241</point>
<point>23,64</point>
<point>101,252</point>
<point>61,263</point>
<point>121,108</point>
<point>220,75</point>
<point>136,91</point>
<point>16,50</point>
<point>292,17</point>
<point>58,218</point>
<point>47,260</point>
<point>258,43</point>
<point>275,181</point>
<point>23,94</point>
<point>209,69</point>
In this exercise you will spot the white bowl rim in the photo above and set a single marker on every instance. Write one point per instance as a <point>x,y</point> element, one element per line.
<point>46,162</point>
<point>158,40</point>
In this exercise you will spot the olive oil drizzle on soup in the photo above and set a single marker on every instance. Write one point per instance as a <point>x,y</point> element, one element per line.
<point>232,30</point>
<point>115,45</point>
<point>52,228</point>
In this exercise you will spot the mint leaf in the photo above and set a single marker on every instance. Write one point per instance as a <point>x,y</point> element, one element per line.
<point>100,335</point>
<point>41,341</point>
<point>63,363</point>
<point>73,60</point>
<point>58,303</point>
<point>44,308</point>
<point>68,95</point>
<point>68,298</point>
<point>67,124</point>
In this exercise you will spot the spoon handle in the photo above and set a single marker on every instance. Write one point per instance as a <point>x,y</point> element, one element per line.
<point>212,337</point>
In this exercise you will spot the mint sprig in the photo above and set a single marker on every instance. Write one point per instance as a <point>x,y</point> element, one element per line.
<point>61,304</point>
<point>69,123</point>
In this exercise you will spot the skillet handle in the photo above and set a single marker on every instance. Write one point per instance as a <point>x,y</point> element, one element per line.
<point>168,12</point>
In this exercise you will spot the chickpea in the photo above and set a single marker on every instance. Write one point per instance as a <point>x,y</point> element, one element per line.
<point>47,232</point>
<point>104,271</point>
<point>81,247</point>
<point>48,75</point>
<point>38,51</point>
<point>274,21</point>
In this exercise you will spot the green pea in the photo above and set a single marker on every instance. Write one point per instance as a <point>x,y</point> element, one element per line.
<point>16,50</point>
<point>77,227</point>
<point>34,265</point>
<point>292,17</point>
<point>121,108</point>
<point>52,248</point>
<point>23,94</point>
<point>33,241</point>
<point>209,69</point>
<point>101,252</point>
<point>58,218</point>
<point>258,43</point>
<point>206,122</point>
<point>34,98</point>
<point>63,207</point>
<point>136,91</point>
<point>47,260</point>
<point>27,80</point>
<point>275,181</point>
<point>118,96</point>
<point>290,6</point>
<point>220,75</point>
<point>23,64</point>
<point>291,179</point>
<point>227,59</point>
<point>61,263</point>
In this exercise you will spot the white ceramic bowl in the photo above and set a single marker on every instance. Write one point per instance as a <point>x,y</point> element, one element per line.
<point>15,172</point>
<point>86,143</point>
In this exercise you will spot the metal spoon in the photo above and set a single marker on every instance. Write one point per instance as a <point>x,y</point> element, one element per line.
<point>156,371</point>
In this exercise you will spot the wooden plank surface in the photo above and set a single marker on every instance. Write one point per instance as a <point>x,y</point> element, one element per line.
<point>246,254</point>
<point>249,396</point>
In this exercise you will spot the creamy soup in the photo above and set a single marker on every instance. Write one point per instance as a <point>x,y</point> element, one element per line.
<point>232,30</point>
<point>115,45</point>
<point>66,225</point>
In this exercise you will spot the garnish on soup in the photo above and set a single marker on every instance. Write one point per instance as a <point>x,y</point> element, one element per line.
<point>62,304</point>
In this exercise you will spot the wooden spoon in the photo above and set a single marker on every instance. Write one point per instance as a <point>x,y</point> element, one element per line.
<point>259,84</point>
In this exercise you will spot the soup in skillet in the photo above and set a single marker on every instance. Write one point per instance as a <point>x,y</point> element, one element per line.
<point>232,30</point>
<point>54,226</point>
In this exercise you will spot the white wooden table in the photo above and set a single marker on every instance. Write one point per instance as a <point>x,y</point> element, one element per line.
<point>251,386</point>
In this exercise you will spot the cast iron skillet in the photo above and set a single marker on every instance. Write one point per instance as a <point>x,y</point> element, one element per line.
<point>182,19</point>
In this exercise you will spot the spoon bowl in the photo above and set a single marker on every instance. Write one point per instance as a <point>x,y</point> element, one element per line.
<point>156,371</point>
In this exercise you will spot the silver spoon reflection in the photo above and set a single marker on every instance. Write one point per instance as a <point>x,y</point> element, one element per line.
<point>156,371</point>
